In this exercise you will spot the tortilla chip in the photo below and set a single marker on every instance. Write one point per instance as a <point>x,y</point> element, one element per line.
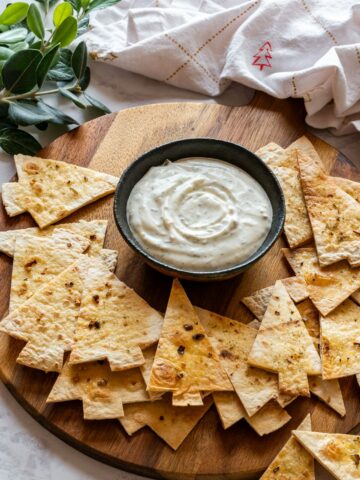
<point>232,341</point>
<point>114,322</point>
<point>349,186</point>
<point>46,321</point>
<point>229,408</point>
<point>268,419</point>
<point>293,462</point>
<point>93,230</point>
<point>338,453</point>
<point>50,190</point>
<point>328,287</point>
<point>109,257</point>
<point>185,361</point>
<point>10,198</point>
<point>284,400</point>
<point>356,296</point>
<point>284,345</point>
<point>304,145</point>
<point>257,302</point>
<point>340,341</point>
<point>270,153</point>
<point>284,165</point>
<point>172,424</point>
<point>102,391</point>
<point>145,369</point>
<point>334,215</point>
<point>37,260</point>
<point>310,317</point>
<point>329,392</point>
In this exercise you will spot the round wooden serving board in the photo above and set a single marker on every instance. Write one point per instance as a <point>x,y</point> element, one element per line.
<point>109,144</point>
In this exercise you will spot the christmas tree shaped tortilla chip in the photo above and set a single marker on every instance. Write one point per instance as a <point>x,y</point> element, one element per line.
<point>327,287</point>
<point>50,189</point>
<point>102,391</point>
<point>268,419</point>
<point>334,215</point>
<point>338,453</point>
<point>93,230</point>
<point>46,321</point>
<point>185,361</point>
<point>232,341</point>
<point>340,341</point>
<point>10,198</point>
<point>172,424</point>
<point>37,260</point>
<point>284,345</point>
<point>293,462</point>
<point>114,322</point>
<point>258,301</point>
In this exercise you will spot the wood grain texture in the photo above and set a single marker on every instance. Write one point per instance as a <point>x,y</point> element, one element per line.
<point>209,452</point>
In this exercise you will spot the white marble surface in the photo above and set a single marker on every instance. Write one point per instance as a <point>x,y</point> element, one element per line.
<point>27,450</point>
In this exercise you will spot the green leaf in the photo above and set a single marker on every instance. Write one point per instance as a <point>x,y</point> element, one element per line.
<point>85,3</point>
<point>27,112</point>
<point>58,117</point>
<point>74,98</point>
<point>45,64</point>
<point>15,141</point>
<point>100,4</point>
<point>83,25</point>
<point>4,28</point>
<point>5,53</point>
<point>16,47</point>
<point>14,13</point>
<point>19,72</point>
<point>13,36</point>
<point>76,4</point>
<point>62,11</point>
<point>65,32</point>
<point>36,45</point>
<point>96,103</point>
<point>35,22</point>
<point>79,59</point>
<point>62,71</point>
<point>85,79</point>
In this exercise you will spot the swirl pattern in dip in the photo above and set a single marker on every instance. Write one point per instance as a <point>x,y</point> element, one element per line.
<point>199,214</point>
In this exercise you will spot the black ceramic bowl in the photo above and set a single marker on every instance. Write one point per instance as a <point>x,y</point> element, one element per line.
<point>200,147</point>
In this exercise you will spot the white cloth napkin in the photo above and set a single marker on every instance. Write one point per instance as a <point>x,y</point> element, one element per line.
<point>287,48</point>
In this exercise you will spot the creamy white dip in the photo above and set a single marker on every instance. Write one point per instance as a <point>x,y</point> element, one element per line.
<point>199,214</point>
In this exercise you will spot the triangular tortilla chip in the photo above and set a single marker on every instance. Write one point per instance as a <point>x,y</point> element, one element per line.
<point>145,369</point>
<point>349,186</point>
<point>50,189</point>
<point>293,462</point>
<point>46,321</point>
<point>109,257</point>
<point>172,424</point>
<point>334,215</point>
<point>37,260</point>
<point>284,165</point>
<point>268,419</point>
<point>10,198</point>
<point>102,391</point>
<point>258,301</point>
<point>304,145</point>
<point>329,392</point>
<point>185,361</point>
<point>338,453</point>
<point>114,322</point>
<point>284,345</point>
<point>340,341</point>
<point>93,230</point>
<point>232,341</point>
<point>329,286</point>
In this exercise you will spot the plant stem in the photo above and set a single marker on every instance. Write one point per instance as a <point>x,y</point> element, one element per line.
<point>10,98</point>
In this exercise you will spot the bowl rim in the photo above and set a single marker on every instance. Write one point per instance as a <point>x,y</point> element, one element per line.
<point>190,274</point>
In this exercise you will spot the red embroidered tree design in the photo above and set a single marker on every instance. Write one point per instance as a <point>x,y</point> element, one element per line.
<point>263,56</point>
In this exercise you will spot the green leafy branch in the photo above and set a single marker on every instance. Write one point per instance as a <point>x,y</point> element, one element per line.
<point>36,61</point>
